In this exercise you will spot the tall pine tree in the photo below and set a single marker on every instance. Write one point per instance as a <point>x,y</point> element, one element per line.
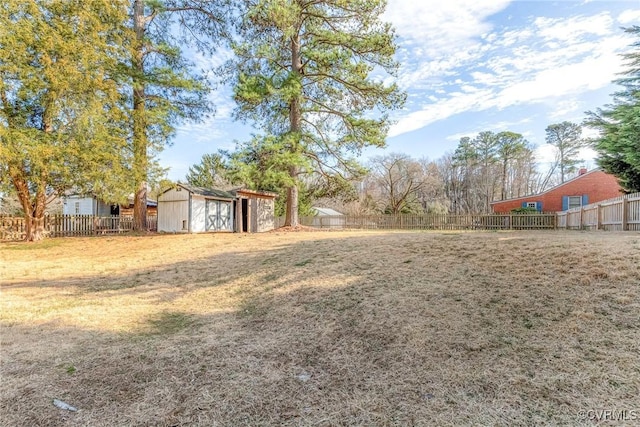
<point>310,75</point>
<point>165,88</point>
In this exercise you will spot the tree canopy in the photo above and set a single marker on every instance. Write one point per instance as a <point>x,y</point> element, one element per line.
<point>567,139</point>
<point>61,119</point>
<point>211,172</point>
<point>618,144</point>
<point>309,74</point>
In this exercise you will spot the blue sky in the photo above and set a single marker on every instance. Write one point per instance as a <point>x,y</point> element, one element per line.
<point>469,66</point>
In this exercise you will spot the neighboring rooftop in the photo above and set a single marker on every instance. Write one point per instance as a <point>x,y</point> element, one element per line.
<point>326,211</point>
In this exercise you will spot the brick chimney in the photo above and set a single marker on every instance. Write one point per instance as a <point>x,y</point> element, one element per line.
<point>582,171</point>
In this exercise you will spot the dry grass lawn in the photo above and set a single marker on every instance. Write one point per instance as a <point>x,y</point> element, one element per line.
<point>320,328</point>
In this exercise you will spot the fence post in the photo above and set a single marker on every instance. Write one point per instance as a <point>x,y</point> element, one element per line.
<point>581,223</point>
<point>625,216</point>
<point>598,217</point>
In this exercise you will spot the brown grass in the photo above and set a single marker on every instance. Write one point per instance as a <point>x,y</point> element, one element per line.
<point>328,328</point>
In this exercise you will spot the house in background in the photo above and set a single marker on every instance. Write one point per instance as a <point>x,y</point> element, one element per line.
<point>87,205</point>
<point>328,218</point>
<point>588,187</point>
<point>189,209</point>
<point>91,205</point>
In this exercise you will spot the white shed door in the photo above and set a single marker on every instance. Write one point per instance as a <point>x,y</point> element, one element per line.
<point>218,216</point>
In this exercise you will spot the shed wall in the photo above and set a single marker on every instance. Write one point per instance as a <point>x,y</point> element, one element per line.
<point>174,194</point>
<point>171,215</point>
<point>198,214</point>
<point>173,209</point>
<point>265,217</point>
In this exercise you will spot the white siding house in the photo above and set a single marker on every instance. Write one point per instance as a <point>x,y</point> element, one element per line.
<point>84,205</point>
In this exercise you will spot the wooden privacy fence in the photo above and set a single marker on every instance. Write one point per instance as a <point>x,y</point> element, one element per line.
<point>619,214</point>
<point>13,228</point>
<point>431,222</point>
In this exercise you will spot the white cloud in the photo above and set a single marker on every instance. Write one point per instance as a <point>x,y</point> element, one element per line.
<point>589,74</point>
<point>571,29</point>
<point>508,67</point>
<point>630,16</point>
<point>563,108</point>
<point>440,26</point>
<point>454,104</point>
<point>437,37</point>
<point>545,153</point>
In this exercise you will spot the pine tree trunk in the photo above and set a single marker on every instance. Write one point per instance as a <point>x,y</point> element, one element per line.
<point>295,120</point>
<point>291,218</point>
<point>140,160</point>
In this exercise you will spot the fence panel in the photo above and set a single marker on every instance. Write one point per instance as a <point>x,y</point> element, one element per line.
<point>430,222</point>
<point>633,213</point>
<point>13,228</point>
<point>617,214</point>
<point>611,217</point>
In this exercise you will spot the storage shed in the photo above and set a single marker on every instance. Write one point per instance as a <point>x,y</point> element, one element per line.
<point>189,209</point>
<point>255,210</point>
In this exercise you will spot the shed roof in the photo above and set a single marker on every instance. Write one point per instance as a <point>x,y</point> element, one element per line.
<point>207,192</point>
<point>259,193</point>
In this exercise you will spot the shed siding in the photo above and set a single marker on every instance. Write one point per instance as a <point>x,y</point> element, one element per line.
<point>174,194</point>
<point>329,221</point>
<point>198,214</point>
<point>173,212</point>
<point>265,218</point>
<point>171,216</point>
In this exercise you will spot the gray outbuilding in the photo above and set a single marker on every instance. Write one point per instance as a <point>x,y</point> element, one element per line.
<point>189,209</point>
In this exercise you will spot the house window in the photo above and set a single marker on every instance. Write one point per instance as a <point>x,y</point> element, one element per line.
<point>77,207</point>
<point>574,202</point>
<point>532,205</point>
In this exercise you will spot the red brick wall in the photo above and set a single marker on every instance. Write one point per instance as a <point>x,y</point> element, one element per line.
<point>597,185</point>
